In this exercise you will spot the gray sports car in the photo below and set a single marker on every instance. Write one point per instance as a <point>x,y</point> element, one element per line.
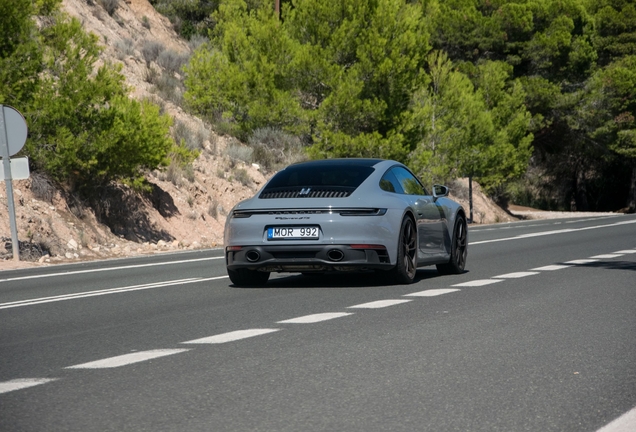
<point>345,215</point>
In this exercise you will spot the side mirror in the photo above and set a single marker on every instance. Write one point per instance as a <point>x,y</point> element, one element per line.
<point>440,191</point>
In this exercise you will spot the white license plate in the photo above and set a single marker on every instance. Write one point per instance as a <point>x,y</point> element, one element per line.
<point>308,232</point>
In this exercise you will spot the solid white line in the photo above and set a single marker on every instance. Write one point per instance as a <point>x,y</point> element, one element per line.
<point>432,292</point>
<point>607,256</point>
<point>378,304</point>
<point>231,336</point>
<point>552,267</point>
<point>516,275</point>
<point>79,295</point>
<point>310,319</point>
<point>109,269</point>
<point>546,233</point>
<point>627,251</point>
<point>22,383</point>
<point>127,359</point>
<point>625,423</point>
<point>480,282</point>
<point>582,261</point>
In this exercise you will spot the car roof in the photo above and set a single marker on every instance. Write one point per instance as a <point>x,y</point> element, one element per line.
<point>344,162</point>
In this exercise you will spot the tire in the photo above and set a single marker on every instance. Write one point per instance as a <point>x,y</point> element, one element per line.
<point>244,277</point>
<point>406,266</point>
<point>459,250</point>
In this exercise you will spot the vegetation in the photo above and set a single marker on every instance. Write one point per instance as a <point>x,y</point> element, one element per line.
<point>534,98</point>
<point>84,130</point>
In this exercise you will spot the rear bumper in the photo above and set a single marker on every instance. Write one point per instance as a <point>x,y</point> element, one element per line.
<point>306,258</point>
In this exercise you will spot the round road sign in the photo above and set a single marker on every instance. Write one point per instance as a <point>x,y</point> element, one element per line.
<point>16,128</point>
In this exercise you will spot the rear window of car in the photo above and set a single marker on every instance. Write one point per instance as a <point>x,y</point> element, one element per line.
<point>351,176</point>
<point>323,180</point>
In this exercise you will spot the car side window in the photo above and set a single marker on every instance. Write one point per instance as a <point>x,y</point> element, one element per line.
<point>390,184</point>
<point>410,184</point>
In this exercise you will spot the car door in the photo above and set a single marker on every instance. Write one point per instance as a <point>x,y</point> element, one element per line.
<point>430,227</point>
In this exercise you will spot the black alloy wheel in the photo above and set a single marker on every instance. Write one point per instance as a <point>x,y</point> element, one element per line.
<point>406,267</point>
<point>459,249</point>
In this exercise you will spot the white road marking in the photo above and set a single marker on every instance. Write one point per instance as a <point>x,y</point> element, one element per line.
<point>86,294</point>
<point>22,383</point>
<point>552,267</point>
<point>516,275</point>
<point>545,233</point>
<point>378,304</point>
<point>127,359</point>
<point>432,292</point>
<point>310,319</point>
<point>231,336</point>
<point>625,423</point>
<point>607,256</point>
<point>479,282</point>
<point>627,251</point>
<point>108,269</point>
<point>582,261</point>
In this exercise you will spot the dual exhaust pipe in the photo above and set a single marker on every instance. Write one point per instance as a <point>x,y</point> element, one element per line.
<point>335,255</point>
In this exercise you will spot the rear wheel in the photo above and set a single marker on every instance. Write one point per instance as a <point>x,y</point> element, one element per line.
<point>244,277</point>
<point>406,267</point>
<point>459,250</point>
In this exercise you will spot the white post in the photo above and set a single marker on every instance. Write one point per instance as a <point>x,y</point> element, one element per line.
<point>4,152</point>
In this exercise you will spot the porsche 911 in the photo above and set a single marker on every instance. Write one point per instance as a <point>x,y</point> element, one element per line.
<point>345,215</point>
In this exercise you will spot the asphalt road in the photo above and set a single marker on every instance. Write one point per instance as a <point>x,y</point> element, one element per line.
<point>538,335</point>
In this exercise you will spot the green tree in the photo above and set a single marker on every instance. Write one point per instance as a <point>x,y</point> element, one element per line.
<point>84,131</point>
<point>242,76</point>
<point>609,114</point>
<point>462,130</point>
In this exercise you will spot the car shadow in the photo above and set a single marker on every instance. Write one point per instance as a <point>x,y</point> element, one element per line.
<point>337,280</point>
<point>610,265</point>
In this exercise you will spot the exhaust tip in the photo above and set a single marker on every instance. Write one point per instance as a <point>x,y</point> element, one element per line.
<point>252,256</point>
<point>335,255</point>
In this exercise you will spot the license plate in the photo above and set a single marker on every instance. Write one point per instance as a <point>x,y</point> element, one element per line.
<point>309,232</point>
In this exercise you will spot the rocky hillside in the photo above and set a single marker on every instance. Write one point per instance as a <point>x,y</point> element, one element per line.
<point>185,210</point>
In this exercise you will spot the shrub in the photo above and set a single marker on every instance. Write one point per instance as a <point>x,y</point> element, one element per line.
<point>239,152</point>
<point>174,174</point>
<point>172,61</point>
<point>151,50</point>
<point>42,187</point>
<point>170,88</point>
<point>242,177</point>
<point>274,148</point>
<point>152,75</point>
<point>213,209</point>
<point>196,41</point>
<point>110,6</point>
<point>194,138</point>
<point>188,173</point>
<point>125,47</point>
<point>145,22</point>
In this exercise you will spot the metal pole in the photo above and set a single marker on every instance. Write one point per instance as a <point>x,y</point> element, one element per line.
<point>470,197</point>
<point>4,152</point>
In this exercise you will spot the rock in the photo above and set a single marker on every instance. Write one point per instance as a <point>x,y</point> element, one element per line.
<point>72,244</point>
<point>68,255</point>
<point>161,243</point>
